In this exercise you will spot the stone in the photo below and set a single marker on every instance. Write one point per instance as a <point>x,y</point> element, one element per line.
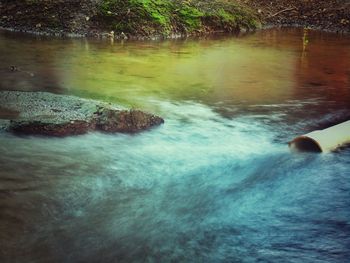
<point>43,113</point>
<point>128,121</point>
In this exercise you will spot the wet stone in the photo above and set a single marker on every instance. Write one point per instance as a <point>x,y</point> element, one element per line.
<point>42,113</point>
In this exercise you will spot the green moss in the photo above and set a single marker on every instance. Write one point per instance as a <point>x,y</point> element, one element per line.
<point>190,17</point>
<point>137,16</point>
<point>158,10</point>
<point>225,16</point>
<point>148,17</point>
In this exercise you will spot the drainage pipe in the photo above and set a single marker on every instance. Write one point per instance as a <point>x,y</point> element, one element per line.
<point>323,140</point>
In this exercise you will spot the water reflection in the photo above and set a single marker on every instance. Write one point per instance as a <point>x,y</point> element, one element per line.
<point>324,69</point>
<point>267,68</point>
<point>27,65</point>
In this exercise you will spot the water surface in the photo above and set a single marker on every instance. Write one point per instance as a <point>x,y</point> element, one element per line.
<point>215,183</point>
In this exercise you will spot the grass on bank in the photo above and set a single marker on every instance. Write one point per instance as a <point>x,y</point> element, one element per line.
<point>163,17</point>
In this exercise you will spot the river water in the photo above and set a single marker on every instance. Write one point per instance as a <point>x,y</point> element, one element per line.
<point>215,183</point>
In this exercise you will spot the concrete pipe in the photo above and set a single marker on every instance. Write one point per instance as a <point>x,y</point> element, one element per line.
<point>323,140</point>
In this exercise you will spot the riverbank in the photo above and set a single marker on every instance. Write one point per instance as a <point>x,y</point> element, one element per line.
<point>326,15</point>
<point>168,19</point>
<point>127,18</point>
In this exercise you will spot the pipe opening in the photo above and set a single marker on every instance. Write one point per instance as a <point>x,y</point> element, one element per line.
<point>305,144</point>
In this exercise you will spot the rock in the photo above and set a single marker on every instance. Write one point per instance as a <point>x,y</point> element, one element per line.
<point>42,113</point>
<point>13,68</point>
<point>50,129</point>
<point>111,120</point>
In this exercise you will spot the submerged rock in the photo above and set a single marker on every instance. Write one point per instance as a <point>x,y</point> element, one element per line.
<point>42,113</point>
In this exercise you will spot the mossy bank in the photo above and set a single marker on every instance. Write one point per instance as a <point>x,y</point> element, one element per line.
<point>127,18</point>
<point>168,18</point>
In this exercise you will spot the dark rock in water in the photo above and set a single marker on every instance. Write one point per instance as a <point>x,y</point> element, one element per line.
<point>110,120</point>
<point>50,129</point>
<point>42,113</point>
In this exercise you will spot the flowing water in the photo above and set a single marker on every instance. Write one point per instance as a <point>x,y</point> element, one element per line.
<point>215,183</point>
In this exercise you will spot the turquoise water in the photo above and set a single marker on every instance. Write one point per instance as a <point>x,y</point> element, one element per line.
<point>215,183</point>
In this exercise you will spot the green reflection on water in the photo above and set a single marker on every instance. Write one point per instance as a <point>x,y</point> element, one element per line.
<point>207,71</point>
<point>268,67</point>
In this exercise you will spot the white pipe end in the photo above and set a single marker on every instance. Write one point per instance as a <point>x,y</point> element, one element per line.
<point>305,144</point>
<point>326,140</point>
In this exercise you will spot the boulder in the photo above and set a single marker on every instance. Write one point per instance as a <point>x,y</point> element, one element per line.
<point>43,113</point>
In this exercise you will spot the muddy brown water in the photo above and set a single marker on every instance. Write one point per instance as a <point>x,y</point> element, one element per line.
<point>215,183</point>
